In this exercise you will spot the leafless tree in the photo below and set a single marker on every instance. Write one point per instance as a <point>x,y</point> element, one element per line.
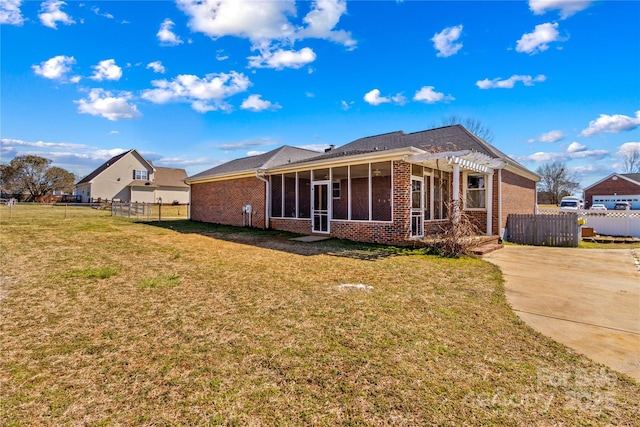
<point>632,161</point>
<point>557,181</point>
<point>473,125</point>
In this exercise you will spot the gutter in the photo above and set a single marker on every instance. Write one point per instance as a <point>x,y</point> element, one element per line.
<point>266,196</point>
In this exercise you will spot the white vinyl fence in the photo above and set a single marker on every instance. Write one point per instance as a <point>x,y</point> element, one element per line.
<point>613,223</point>
<point>608,223</point>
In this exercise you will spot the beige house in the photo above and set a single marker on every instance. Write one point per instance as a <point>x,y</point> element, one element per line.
<point>128,177</point>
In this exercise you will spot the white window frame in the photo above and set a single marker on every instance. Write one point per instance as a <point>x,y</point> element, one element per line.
<point>467,190</point>
<point>139,173</point>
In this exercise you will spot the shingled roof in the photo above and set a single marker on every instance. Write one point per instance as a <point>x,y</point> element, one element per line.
<point>170,177</point>
<point>278,157</point>
<point>448,138</point>
<point>445,139</point>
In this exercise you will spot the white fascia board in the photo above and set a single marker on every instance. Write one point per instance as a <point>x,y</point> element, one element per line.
<point>520,170</point>
<point>222,177</point>
<point>609,177</point>
<point>374,156</point>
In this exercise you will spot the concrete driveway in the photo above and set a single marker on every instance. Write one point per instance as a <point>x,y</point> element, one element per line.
<point>587,299</point>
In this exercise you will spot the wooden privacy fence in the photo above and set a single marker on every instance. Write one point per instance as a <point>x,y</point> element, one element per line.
<point>544,230</point>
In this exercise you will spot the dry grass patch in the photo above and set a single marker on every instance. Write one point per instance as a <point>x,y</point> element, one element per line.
<point>250,328</point>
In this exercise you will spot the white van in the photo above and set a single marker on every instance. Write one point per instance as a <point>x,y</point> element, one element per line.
<point>571,204</point>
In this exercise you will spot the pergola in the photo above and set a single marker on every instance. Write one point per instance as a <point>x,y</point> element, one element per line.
<point>456,162</point>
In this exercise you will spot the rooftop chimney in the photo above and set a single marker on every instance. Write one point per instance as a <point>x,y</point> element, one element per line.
<point>331,148</point>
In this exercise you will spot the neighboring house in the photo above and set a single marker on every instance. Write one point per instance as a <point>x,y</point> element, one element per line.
<point>388,188</point>
<point>617,187</point>
<point>128,177</point>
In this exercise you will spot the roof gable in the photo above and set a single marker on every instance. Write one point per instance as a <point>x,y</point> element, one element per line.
<point>278,157</point>
<point>631,177</point>
<point>110,163</point>
<point>448,138</point>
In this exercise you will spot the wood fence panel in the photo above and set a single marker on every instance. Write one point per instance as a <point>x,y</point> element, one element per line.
<point>544,230</point>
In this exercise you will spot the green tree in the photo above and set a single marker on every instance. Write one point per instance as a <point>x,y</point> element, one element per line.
<point>33,175</point>
<point>557,181</point>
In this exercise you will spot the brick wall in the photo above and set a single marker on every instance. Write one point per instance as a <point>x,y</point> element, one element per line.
<point>611,187</point>
<point>221,202</point>
<point>518,195</point>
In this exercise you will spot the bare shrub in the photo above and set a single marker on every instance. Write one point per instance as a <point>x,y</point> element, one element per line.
<point>458,234</point>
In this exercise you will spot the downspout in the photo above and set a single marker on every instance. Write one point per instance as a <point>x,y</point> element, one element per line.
<point>500,228</point>
<point>490,204</point>
<point>266,197</point>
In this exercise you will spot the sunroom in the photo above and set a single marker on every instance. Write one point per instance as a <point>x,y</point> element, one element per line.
<point>407,196</point>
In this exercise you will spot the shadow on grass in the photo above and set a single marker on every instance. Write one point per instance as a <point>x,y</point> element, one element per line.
<point>282,241</point>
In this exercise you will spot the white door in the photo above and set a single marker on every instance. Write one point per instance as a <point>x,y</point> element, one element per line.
<point>417,207</point>
<point>320,207</point>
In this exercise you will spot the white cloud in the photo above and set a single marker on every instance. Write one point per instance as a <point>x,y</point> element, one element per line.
<point>96,10</point>
<point>51,13</point>
<point>204,94</point>
<point>574,151</point>
<point>166,36</point>
<point>566,7</point>
<point>281,59</point>
<point>156,66</point>
<point>611,124</point>
<point>54,68</point>
<point>552,136</point>
<point>430,96</point>
<point>112,107</point>
<point>256,103</point>
<point>510,82</point>
<point>255,20</point>
<point>539,39</point>
<point>443,41</point>
<point>106,70</point>
<point>346,105</point>
<point>399,99</point>
<point>41,144</point>
<point>266,21</point>
<point>10,12</point>
<point>373,97</point>
<point>575,147</point>
<point>114,132</point>
<point>322,20</point>
<point>627,148</point>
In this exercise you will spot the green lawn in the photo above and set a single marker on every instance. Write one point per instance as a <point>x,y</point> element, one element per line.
<point>108,321</point>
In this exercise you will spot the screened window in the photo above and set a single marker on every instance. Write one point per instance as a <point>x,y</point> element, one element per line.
<point>276,196</point>
<point>476,192</point>
<point>289,195</point>
<point>304,194</point>
<point>340,205</point>
<point>381,191</point>
<point>360,192</point>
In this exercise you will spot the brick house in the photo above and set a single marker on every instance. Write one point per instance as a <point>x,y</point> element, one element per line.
<point>388,188</point>
<point>617,187</point>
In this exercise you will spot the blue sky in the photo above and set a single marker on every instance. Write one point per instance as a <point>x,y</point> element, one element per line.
<point>194,83</point>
